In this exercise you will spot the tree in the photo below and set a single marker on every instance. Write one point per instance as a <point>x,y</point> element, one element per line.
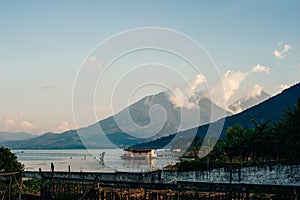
<point>277,139</point>
<point>237,141</point>
<point>9,162</point>
<point>261,139</point>
<point>9,186</point>
<point>265,142</point>
<point>290,131</point>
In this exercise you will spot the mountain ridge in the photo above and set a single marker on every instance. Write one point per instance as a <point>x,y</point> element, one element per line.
<point>15,136</point>
<point>263,111</point>
<point>139,112</point>
<point>91,139</point>
<point>247,102</point>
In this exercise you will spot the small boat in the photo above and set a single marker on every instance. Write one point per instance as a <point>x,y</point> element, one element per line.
<point>139,153</point>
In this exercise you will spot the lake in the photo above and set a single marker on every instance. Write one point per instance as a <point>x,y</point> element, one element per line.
<point>89,161</point>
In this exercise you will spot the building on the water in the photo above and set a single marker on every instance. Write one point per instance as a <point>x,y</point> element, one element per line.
<point>139,153</point>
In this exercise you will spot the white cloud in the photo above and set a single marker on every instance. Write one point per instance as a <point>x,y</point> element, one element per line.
<point>255,91</point>
<point>27,125</point>
<point>15,124</point>
<point>19,123</point>
<point>280,54</point>
<point>232,80</point>
<point>182,98</point>
<point>91,64</point>
<point>260,68</point>
<point>62,126</point>
<point>237,107</point>
<point>197,81</point>
<point>226,87</point>
<point>286,48</point>
<point>283,87</point>
<point>185,96</point>
<point>222,93</point>
<point>91,60</point>
<point>230,83</point>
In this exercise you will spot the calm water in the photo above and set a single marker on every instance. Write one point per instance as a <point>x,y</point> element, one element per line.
<point>88,160</point>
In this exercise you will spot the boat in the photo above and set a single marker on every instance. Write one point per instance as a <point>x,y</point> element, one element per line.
<point>139,153</point>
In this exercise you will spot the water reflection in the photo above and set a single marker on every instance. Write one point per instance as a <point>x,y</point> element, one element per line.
<point>88,161</point>
<point>146,164</point>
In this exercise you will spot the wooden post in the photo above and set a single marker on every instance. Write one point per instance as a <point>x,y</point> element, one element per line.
<point>230,175</point>
<point>20,186</point>
<point>42,182</point>
<point>9,187</point>
<point>52,181</point>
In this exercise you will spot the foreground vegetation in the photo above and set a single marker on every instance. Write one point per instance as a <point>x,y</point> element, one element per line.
<point>264,142</point>
<point>10,174</point>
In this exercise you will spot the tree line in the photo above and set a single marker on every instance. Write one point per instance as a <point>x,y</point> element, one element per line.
<point>266,141</point>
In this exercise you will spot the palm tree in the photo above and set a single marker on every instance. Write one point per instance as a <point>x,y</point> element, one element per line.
<point>290,133</point>
<point>195,146</point>
<point>235,141</point>
<point>207,147</point>
<point>276,139</point>
<point>260,140</point>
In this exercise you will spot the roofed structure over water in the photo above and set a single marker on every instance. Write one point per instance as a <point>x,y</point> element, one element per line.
<point>139,153</point>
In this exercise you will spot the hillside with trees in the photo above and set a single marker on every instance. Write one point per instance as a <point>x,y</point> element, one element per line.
<point>265,142</point>
<point>271,109</point>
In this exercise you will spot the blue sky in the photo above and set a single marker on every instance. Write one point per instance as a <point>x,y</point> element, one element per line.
<point>42,45</point>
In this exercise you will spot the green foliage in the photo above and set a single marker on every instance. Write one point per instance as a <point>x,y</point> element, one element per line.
<point>31,186</point>
<point>290,129</point>
<point>265,142</point>
<point>191,165</point>
<point>9,162</point>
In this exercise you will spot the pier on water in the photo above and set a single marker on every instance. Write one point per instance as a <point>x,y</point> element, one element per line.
<point>275,181</point>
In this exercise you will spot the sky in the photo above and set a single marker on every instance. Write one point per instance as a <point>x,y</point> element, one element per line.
<point>254,44</point>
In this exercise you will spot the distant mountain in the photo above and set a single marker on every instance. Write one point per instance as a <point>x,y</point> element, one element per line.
<point>15,136</point>
<point>271,109</point>
<point>70,140</point>
<point>139,113</point>
<point>129,134</point>
<point>247,102</point>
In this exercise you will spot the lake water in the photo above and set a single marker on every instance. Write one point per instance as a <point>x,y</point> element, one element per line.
<point>88,160</point>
